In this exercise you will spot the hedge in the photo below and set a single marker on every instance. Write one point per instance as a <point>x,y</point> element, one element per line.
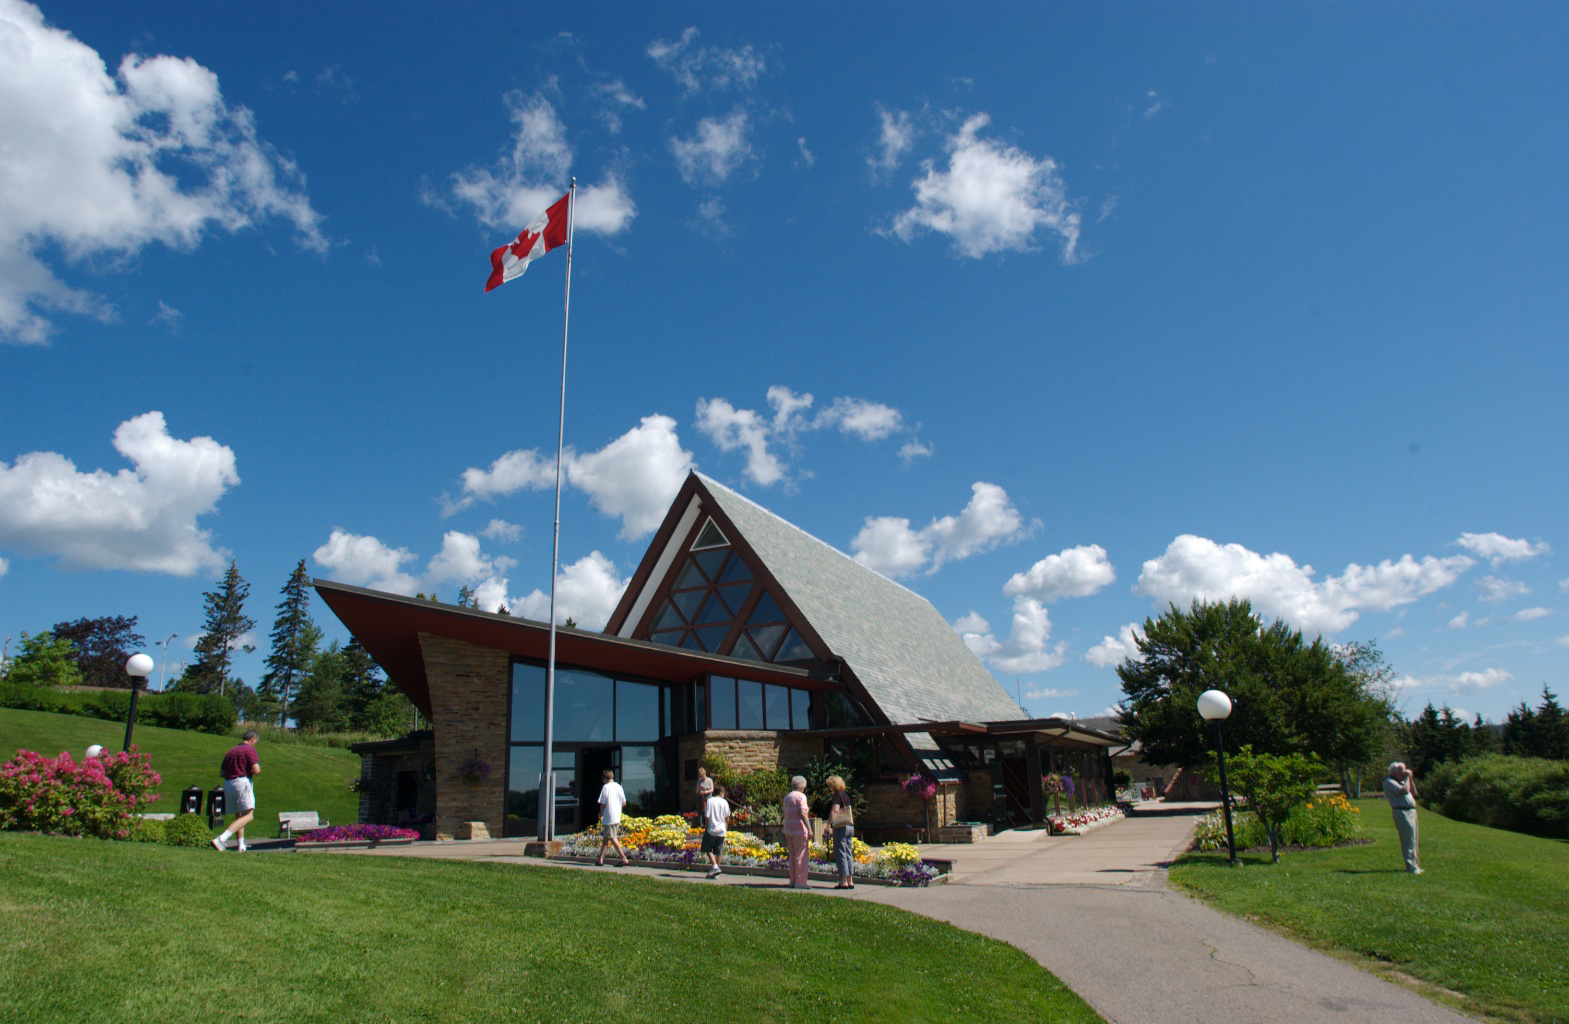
<point>208,713</point>
<point>1521,794</point>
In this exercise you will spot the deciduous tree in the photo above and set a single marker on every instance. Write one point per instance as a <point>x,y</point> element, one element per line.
<point>102,647</point>
<point>44,660</point>
<point>1288,695</point>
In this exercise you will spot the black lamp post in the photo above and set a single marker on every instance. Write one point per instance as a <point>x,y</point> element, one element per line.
<point>1216,707</point>
<point>138,668</point>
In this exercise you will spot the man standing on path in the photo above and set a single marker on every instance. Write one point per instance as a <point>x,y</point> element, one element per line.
<point>715,815</point>
<point>611,799</point>
<point>238,768</point>
<point>1400,791</point>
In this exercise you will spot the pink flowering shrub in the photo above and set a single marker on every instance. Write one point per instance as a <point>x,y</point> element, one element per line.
<point>97,797</point>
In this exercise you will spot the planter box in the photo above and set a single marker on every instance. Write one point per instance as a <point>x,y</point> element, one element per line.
<point>963,832</point>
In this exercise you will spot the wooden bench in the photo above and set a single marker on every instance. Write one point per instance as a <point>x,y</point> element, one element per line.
<point>290,822</point>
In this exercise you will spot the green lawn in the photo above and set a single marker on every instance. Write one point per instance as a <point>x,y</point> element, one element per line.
<point>1488,918</point>
<point>293,777</point>
<point>122,933</point>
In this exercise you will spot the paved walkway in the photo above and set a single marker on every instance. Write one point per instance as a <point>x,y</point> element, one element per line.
<point>1096,912</point>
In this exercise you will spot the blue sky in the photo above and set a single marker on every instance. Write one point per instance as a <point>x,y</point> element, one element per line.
<point>1056,316</point>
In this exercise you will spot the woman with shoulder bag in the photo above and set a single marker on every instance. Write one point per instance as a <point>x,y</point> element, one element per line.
<point>841,819</point>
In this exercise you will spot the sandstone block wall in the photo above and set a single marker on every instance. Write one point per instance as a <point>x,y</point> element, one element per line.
<point>468,688</point>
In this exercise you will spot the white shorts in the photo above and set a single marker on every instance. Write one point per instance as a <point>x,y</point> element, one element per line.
<point>239,795</point>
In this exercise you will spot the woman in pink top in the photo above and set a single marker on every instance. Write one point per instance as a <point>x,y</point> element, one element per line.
<point>797,831</point>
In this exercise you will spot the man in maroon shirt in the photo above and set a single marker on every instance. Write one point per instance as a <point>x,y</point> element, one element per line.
<point>238,768</point>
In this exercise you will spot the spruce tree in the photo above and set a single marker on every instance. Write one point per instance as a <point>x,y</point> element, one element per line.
<point>225,626</point>
<point>294,639</point>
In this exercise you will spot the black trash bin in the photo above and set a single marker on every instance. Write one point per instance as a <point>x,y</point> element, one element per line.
<point>191,801</point>
<point>215,808</point>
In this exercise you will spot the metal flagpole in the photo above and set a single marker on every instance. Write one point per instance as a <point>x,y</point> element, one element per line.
<point>547,786</point>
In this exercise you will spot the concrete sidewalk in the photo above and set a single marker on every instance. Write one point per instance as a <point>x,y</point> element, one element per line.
<point>1096,912</point>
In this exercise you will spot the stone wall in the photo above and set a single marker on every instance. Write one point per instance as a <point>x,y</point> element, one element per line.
<point>468,696</point>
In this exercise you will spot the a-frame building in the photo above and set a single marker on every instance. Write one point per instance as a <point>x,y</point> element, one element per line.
<point>738,635</point>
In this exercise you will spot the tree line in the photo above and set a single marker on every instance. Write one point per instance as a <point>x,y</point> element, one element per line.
<point>1332,704</point>
<point>324,687</point>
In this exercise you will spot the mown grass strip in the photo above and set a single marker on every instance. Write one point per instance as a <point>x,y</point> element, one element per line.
<point>116,932</point>
<point>1488,919</point>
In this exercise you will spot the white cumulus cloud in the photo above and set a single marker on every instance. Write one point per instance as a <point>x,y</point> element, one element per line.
<point>715,151</point>
<point>1028,648</point>
<point>1113,650</point>
<point>586,592</point>
<point>633,478</point>
<point>95,166</point>
<point>363,561</point>
<point>1075,572</point>
<point>140,518</point>
<point>891,546</point>
<point>1196,567</point>
<point>715,68</point>
<point>528,179</point>
<point>1498,549</point>
<point>1495,589</point>
<point>990,198</point>
<point>766,437</point>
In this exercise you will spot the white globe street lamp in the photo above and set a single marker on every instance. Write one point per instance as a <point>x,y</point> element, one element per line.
<point>94,750</point>
<point>1215,707</point>
<point>138,667</point>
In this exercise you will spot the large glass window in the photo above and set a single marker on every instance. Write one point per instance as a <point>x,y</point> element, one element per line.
<point>528,703</point>
<point>749,704</point>
<point>776,707</point>
<point>723,706</point>
<point>584,707</point>
<point>637,712</point>
<point>523,770</point>
<point>645,775</point>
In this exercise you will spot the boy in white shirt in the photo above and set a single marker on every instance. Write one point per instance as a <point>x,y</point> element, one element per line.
<point>611,799</point>
<point>715,814</point>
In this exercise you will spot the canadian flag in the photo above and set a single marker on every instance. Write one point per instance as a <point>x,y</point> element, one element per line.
<point>548,231</point>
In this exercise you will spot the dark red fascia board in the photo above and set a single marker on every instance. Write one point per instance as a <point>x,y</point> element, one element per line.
<point>389,626</point>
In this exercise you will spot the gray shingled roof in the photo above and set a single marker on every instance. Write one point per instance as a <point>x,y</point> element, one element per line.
<point>899,646</point>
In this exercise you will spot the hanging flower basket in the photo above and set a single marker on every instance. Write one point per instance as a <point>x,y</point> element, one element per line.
<point>922,786</point>
<point>474,771</point>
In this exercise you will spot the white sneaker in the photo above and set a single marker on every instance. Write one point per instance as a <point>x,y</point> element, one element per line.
<point>713,872</point>
<point>217,844</point>
<point>242,847</point>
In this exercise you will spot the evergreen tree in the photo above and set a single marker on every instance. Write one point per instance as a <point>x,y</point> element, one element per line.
<point>1543,732</point>
<point>294,639</point>
<point>223,633</point>
<point>1438,735</point>
<point>320,702</point>
<point>102,647</point>
<point>466,598</point>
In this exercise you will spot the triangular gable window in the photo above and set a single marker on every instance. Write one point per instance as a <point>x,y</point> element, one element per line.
<point>710,538</point>
<point>713,585</point>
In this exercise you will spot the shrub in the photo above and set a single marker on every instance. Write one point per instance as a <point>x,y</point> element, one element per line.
<point>208,712</point>
<point>57,795</point>
<point>187,830</point>
<point>355,833</point>
<point>1521,794</point>
<point>1322,821</point>
<point>764,787</point>
<point>147,830</point>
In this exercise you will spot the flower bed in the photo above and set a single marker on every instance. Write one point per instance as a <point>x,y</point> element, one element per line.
<point>668,840</point>
<point>357,834</point>
<point>1076,823</point>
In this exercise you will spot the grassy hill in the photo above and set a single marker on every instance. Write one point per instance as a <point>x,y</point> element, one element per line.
<point>293,777</point>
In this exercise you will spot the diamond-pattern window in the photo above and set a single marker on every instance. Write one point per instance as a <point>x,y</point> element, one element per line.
<point>706,601</point>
